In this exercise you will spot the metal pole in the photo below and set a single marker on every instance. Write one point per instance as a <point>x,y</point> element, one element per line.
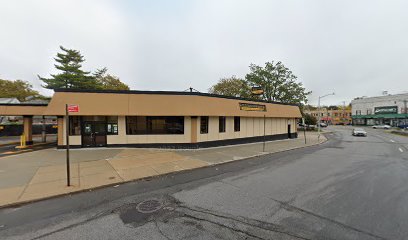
<point>43,132</point>
<point>263,148</point>
<point>318,121</point>
<point>344,112</point>
<point>405,111</point>
<point>67,137</point>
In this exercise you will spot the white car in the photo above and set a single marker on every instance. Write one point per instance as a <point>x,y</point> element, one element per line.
<point>359,132</point>
<point>382,126</point>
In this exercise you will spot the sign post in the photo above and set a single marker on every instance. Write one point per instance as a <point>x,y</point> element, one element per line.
<point>264,134</point>
<point>68,109</point>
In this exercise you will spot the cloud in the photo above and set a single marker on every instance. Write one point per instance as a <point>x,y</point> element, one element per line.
<point>351,47</point>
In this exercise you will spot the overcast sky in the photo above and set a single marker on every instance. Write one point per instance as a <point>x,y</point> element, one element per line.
<point>353,48</point>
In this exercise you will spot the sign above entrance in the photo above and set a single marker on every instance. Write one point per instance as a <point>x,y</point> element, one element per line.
<point>257,91</point>
<point>252,107</point>
<point>386,110</point>
<point>73,108</point>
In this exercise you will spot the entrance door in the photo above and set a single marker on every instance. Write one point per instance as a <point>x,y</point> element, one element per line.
<point>94,134</point>
<point>289,133</point>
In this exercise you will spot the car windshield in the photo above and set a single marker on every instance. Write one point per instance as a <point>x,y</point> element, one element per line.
<point>358,129</point>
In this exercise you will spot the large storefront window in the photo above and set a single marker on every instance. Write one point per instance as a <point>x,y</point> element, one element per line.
<point>154,125</point>
<point>74,125</point>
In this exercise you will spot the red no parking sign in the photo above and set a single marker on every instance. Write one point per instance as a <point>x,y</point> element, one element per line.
<point>73,108</point>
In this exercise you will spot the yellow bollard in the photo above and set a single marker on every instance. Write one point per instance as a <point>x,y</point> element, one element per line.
<point>22,142</point>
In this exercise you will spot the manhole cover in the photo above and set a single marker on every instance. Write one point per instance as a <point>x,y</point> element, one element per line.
<point>149,206</point>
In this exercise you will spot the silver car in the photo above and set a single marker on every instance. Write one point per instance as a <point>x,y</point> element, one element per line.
<point>359,132</point>
<point>382,126</point>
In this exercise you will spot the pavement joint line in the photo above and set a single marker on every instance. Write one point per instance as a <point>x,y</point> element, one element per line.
<point>26,186</point>
<point>116,171</point>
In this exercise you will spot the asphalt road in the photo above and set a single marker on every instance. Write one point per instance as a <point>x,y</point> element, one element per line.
<point>347,188</point>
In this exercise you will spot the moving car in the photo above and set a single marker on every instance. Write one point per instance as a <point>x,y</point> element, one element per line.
<point>384,126</point>
<point>359,132</point>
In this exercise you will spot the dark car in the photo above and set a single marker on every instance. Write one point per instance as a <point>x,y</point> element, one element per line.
<point>403,126</point>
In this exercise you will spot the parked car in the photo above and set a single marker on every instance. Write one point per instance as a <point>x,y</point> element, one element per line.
<point>384,126</point>
<point>359,132</point>
<point>323,124</point>
<point>403,126</point>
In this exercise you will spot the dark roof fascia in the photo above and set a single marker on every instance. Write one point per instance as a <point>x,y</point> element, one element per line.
<point>25,104</point>
<point>169,93</point>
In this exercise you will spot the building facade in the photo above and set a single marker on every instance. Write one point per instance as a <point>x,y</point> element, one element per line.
<point>332,117</point>
<point>390,109</point>
<point>162,119</point>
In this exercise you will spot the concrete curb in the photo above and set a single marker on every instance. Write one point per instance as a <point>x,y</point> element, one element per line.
<point>16,204</point>
<point>8,144</point>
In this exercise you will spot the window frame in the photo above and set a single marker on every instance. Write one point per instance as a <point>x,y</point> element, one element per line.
<point>112,123</point>
<point>222,124</point>
<point>237,124</point>
<point>148,130</point>
<point>206,125</point>
<point>70,125</point>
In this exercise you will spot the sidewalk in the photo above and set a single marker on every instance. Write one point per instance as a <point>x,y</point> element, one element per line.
<point>42,174</point>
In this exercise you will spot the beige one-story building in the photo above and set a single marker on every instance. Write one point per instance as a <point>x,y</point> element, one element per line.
<point>159,119</point>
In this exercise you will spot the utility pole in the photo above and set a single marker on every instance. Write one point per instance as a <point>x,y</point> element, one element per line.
<point>318,110</point>
<point>405,111</point>
<point>344,111</point>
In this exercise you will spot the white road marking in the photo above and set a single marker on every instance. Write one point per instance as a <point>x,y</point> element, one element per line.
<point>400,149</point>
<point>392,140</point>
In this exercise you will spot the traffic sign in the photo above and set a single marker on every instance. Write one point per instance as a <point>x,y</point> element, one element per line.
<point>73,108</point>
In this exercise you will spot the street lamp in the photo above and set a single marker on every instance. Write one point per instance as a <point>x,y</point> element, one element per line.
<point>318,110</point>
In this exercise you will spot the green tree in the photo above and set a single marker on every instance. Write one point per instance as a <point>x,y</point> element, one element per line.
<point>109,82</point>
<point>232,86</point>
<point>278,82</point>
<point>309,119</point>
<point>69,62</point>
<point>18,89</point>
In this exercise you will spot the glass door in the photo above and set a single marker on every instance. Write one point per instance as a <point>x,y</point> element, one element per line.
<point>94,134</point>
<point>99,134</point>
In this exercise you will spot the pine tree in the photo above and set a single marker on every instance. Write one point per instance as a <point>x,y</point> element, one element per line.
<point>71,76</point>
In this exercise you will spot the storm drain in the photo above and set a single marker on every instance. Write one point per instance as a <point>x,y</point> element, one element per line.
<point>149,206</point>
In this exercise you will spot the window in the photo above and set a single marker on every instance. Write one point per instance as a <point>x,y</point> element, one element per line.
<point>203,125</point>
<point>369,111</point>
<point>112,125</point>
<point>237,124</point>
<point>154,125</point>
<point>74,125</point>
<point>358,112</point>
<point>221,124</point>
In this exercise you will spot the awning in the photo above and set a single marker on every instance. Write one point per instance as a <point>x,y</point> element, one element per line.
<point>375,116</point>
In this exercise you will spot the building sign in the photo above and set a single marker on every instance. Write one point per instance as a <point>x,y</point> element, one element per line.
<point>73,108</point>
<point>386,110</point>
<point>252,107</point>
<point>257,91</point>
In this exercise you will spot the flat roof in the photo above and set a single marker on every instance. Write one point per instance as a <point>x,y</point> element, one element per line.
<point>151,103</point>
<point>168,93</point>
